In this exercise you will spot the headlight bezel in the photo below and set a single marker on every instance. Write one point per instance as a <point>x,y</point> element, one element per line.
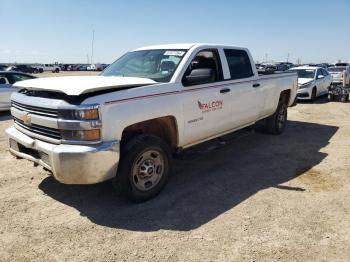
<point>92,112</point>
<point>305,85</point>
<point>80,125</point>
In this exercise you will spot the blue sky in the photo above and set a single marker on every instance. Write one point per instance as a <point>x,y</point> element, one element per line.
<point>48,31</point>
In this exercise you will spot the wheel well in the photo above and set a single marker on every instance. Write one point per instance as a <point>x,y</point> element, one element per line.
<point>163,127</point>
<point>285,96</point>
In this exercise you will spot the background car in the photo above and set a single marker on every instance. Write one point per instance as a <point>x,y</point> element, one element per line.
<point>22,68</point>
<point>3,67</point>
<point>47,67</point>
<point>7,79</point>
<point>339,73</point>
<point>312,81</point>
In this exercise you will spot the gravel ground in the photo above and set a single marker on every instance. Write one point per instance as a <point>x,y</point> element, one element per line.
<point>256,198</point>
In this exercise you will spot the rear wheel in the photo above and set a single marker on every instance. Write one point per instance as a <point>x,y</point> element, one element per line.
<point>57,70</point>
<point>143,169</point>
<point>344,98</point>
<point>276,123</point>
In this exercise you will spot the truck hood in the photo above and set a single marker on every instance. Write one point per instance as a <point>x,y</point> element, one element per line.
<point>77,85</point>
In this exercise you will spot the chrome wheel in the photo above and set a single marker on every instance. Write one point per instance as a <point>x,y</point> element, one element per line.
<point>148,170</point>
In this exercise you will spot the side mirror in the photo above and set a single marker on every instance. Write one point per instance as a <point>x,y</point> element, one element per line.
<point>199,76</point>
<point>320,77</point>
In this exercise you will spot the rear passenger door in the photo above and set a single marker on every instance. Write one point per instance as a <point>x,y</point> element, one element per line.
<point>247,94</point>
<point>328,79</point>
<point>320,82</point>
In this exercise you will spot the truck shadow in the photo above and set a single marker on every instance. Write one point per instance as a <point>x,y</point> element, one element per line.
<point>318,101</point>
<point>208,185</point>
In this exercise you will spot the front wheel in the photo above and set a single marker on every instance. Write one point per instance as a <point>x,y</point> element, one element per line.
<point>314,94</point>
<point>330,97</point>
<point>276,123</point>
<point>143,169</point>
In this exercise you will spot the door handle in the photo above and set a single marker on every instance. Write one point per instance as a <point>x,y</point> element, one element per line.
<point>256,85</point>
<point>225,90</point>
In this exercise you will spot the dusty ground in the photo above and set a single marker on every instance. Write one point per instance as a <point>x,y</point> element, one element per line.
<point>258,198</point>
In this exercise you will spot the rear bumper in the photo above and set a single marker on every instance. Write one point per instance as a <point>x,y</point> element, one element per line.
<point>70,164</point>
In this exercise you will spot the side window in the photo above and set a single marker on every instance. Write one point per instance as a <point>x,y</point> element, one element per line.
<point>204,68</point>
<point>238,63</point>
<point>319,72</point>
<point>324,72</point>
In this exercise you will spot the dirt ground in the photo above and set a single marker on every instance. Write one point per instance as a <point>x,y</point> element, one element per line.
<point>256,198</point>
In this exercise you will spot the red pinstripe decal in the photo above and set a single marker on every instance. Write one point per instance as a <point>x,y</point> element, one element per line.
<point>185,91</point>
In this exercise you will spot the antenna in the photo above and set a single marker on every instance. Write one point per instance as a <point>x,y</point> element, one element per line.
<point>92,45</point>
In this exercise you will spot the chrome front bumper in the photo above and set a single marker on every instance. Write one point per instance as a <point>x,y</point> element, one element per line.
<point>70,164</point>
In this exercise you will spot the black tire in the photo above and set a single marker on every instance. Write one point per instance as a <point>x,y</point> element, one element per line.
<point>57,70</point>
<point>41,70</point>
<point>128,183</point>
<point>344,98</point>
<point>314,94</point>
<point>276,123</point>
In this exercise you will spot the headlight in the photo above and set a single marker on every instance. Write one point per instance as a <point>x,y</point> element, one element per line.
<point>81,135</point>
<point>80,114</point>
<point>304,85</point>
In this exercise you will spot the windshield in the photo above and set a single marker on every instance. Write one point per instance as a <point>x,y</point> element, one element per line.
<point>336,69</point>
<point>158,65</point>
<point>304,73</point>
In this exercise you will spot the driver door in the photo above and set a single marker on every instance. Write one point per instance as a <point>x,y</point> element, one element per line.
<point>207,104</point>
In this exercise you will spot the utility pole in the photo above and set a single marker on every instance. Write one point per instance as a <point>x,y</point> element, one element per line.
<point>288,58</point>
<point>92,45</point>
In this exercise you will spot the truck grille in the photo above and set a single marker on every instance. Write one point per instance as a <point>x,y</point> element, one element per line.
<point>39,130</point>
<point>48,112</point>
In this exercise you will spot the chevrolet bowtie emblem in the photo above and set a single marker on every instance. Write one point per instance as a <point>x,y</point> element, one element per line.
<point>27,119</point>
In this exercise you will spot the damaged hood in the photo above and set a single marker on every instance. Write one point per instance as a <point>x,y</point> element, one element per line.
<point>78,85</point>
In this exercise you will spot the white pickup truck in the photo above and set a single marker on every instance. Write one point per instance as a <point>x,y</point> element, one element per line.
<point>46,67</point>
<point>126,123</point>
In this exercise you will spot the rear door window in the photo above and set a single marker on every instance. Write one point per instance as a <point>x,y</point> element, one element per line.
<point>239,64</point>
